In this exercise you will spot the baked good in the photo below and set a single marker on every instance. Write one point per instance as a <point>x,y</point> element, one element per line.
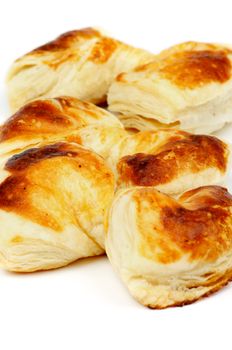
<point>188,86</point>
<point>80,63</point>
<point>53,201</point>
<point>101,139</point>
<point>172,161</point>
<point>171,252</point>
<point>52,120</point>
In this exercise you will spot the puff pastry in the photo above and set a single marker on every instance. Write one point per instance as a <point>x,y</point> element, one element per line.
<point>172,161</point>
<point>53,201</point>
<point>63,118</point>
<point>171,252</point>
<point>80,63</point>
<point>188,86</point>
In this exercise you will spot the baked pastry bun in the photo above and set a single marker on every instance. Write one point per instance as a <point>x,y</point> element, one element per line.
<point>51,120</point>
<point>188,86</point>
<point>80,63</point>
<point>171,252</point>
<point>172,161</point>
<point>53,201</point>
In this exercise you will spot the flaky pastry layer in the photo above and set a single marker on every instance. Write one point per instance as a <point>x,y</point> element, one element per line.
<point>171,252</point>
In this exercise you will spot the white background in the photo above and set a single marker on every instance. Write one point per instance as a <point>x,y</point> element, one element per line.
<point>85,306</point>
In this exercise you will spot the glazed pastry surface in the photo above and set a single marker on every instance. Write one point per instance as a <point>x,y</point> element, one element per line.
<point>80,63</point>
<point>171,252</point>
<point>188,86</point>
<point>53,201</point>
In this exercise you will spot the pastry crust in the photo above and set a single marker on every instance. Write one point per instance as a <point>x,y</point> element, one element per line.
<point>52,205</point>
<point>171,252</point>
<point>172,161</point>
<point>139,123</point>
<point>80,63</point>
<point>188,85</point>
<point>57,119</point>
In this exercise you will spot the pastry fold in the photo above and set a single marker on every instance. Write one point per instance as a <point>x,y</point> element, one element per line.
<point>57,119</point>
<point>188,86</point>
<point>171,252</point>
<point>80,63</point>
<point>172,161</point>
<point>53,201</point>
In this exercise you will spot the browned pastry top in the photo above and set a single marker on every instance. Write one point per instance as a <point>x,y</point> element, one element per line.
<point>192,153</point>
<point>66,45</point>
<point>40,183</point>
<point>199,224</point>
<point>46,117</point>
<point>191,64</point>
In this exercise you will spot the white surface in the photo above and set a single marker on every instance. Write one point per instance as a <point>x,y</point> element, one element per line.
<point>85,306</point>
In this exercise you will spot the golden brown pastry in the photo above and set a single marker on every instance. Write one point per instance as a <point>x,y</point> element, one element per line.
<point>80,63</point>
<point>171,252</point>
<point>172,161</point>
<point>101,139</point>
<point>52,205</point>
<point>188,86</point>
<point>62,118</point>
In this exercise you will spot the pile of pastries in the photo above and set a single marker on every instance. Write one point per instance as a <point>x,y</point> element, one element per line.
<point>109,150</point>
